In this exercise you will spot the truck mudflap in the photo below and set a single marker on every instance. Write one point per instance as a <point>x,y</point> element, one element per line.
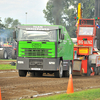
<point>81,67</point>
<point>77,65</point>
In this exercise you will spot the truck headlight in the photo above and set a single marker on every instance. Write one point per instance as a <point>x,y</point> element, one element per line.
<point>1,48</point>
<point>20,62</point>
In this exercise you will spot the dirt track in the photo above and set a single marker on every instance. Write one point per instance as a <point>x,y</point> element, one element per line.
<point>7,61</point>
<point>14,87</point>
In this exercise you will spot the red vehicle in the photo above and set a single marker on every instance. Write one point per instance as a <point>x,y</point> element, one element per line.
<point>86,56</point>
<point>8,49</point>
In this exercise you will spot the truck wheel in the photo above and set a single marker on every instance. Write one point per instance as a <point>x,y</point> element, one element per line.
<point>96,71</point>
<point>88,68</point>
<point>32,74</point>
<point>60,72</point>
<point>13,56</point>
<point>38,74</point>
<point>66,73</point>
<point>22,73</point>
<point>99,70</point>
<point>70,68</point>
<point>5,55</point>
<point>56,74</point>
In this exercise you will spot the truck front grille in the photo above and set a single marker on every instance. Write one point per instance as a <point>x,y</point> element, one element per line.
<point>36,52</point>
<point>36,63</point>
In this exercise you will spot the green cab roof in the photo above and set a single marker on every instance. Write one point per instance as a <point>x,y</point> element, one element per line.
<point>39,27</point>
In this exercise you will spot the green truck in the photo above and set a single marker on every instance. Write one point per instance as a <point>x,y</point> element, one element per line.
<point>43,49</point>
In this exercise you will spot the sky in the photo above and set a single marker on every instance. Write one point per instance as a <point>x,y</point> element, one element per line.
<point>17,9</point>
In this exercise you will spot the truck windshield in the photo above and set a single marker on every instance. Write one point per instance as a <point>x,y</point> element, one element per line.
<point>86,31</point>
<point>37,35</point>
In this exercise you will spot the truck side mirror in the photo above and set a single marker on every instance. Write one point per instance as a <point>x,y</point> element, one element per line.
<point>14,35</point>
<point>62,36</point>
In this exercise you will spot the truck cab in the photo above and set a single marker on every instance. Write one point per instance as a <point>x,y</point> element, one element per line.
<point>86,32</point>
<point>85,54</point>
<point>43,48</point>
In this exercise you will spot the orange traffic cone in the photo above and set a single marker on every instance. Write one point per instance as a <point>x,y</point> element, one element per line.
<point>70,88</point>
<point>92,74</point>
<point>0,95</point>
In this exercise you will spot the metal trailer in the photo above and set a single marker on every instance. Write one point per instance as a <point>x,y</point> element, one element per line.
<point>44,49</point>
<point>86,55</point>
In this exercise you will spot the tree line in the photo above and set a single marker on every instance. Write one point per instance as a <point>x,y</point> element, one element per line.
<point>9,23</point>
<point>62,12</point>
<point>7,28</point>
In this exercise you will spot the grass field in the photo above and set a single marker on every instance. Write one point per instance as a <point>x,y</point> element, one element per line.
<point>6,67</point>
<point>92,94</point>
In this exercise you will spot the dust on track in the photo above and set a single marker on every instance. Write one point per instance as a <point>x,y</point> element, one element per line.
<point>13,86</point>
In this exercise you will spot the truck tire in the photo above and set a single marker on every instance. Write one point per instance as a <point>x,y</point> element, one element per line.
<point>13,56</point>
<point>88,68</point>
<point>38,74</point>
<point>32,74</point>
<point>56,74</point>
<point>66,73</point>
<point>22,73</point>
<point>96,70</point>
<point>3,54</point>
<point>70,68</point>
<point>99,70</point>
<point>60,69</point>
<point>59,74</point>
